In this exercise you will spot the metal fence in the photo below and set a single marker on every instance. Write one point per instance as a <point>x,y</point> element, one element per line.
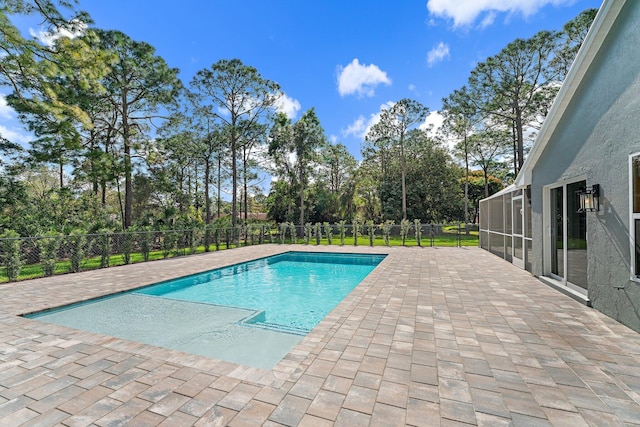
<point>31,257</point>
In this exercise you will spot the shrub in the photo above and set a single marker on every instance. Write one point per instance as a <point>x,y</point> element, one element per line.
<point>328,231</point>
<point>104,243</point>
<point>10,247</point>
<point>284,226</point>
<point>371,230</point>
<point>418,230</point>
<point>294,232</point>
<point>268,230</point>
<point>356,231</point>
<point>216,238</point>
<point>342,229</point>
<point>77,241</point>
<point>318,232</point>
<point>308,230</point>
<point>192,239</point>
<point>386,230</point>
<point>146,241</point>
<point>169,240</point>
<point>127,246</point>
<point>48,246</point>
<point>405,226</point>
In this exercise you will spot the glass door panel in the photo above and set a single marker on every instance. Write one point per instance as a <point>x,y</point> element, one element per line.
<point>557,231</point>
<point>576,238</point>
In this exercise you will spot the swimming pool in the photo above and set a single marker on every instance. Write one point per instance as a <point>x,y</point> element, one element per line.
<point>252,313</point>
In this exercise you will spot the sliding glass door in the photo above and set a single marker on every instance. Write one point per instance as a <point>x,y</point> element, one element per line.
<point>568,242</point>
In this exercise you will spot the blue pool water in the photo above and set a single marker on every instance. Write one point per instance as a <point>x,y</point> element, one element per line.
<point>294,291</point>
<point>280,298</point>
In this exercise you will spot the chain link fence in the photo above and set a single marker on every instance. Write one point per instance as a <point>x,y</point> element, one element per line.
<point>31,257</point>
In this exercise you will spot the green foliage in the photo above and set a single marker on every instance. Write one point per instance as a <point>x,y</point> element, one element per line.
<point>216,237</point>
<point>104,244</point>
<point>318,232</point>
<point>308,230</point>
<point>126,246</point>
<point>10,254</point>
<point>48,246</point>
<point>208,237</point>
<point>146,240</point>
<point>169,242</point>
<point>386,230</point>
<point>328,231</point>
<point>270,232</point>
<point>284,226</point>
<point>405,226</point>
<point>342,229</point>
<point>194,236</point>
<point>76,248</point>
<point>371,231</point>
<point>76,241</point>
<point>417,227</point>
<point>294,232</point>
<point>355,230</point>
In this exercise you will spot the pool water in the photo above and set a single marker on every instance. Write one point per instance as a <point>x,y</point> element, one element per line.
<point>294,291</point>
<point>252,313</point>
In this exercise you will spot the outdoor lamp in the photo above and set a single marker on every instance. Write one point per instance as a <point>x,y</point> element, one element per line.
<point>589,198</point>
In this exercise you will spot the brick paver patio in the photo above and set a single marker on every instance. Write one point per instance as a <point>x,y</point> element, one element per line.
<point>434,336</point>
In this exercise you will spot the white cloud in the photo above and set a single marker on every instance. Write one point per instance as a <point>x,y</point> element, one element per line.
<point>357,128</point>
<point>360,78</point>
<point>433,122</point>
<point>9,126</point>
<point>287,105</point>
<point>465,12</point>
<point>412,87</point>
<point>6,112</point>
<point>360,127</point>
<point>438,54</point>
<point>19,136</point>
<point>48,38</point>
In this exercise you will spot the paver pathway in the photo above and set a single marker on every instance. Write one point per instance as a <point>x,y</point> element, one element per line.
<point>434,336</point>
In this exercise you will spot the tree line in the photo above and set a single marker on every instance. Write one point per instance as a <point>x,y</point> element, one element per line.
<point>121,141</point>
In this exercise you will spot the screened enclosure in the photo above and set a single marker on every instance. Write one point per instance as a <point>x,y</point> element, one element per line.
<point>505,225</point>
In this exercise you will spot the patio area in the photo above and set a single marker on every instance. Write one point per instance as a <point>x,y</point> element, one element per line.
<point>433,336</point>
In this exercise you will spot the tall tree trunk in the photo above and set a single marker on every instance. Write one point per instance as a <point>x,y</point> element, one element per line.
<point>486,182</point>
<point>219,200</point>
<point>515,149</point>
<point>301,199</point>
<point>520,139</point>
<point>234,175</point>
<point>61,171</point>
<point>245,198</point>
<point>207,199</point>
<point>404,184</point>
<point>466,184</point>
<point>128,181</point>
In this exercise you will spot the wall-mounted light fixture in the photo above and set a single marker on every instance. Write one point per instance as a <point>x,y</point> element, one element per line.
<point>589,198</point>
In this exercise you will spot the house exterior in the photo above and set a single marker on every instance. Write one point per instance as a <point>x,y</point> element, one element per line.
<point>589,142</point>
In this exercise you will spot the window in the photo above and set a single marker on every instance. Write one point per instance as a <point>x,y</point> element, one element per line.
<point>634,217</point>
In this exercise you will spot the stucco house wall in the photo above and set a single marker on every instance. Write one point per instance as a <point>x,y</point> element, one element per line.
<point>598,130</point>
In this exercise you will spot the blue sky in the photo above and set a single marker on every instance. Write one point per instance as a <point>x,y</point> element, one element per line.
<point>345,58</point>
